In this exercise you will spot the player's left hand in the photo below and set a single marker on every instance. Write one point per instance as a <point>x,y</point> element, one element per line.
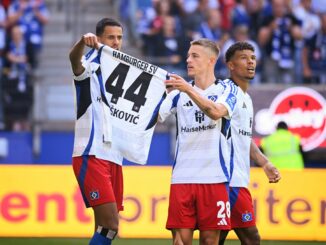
<point>272,173</point>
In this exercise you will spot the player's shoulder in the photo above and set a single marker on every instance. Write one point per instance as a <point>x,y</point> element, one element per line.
<point>230,85</point>
<point>217,88</point>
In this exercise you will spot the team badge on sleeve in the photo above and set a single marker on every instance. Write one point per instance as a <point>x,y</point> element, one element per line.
<point>231,101</point>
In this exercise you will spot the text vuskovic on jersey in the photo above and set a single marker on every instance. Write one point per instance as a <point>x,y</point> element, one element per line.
<point>128,117</point>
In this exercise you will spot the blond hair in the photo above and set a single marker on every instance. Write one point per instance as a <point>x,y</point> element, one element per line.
<point>207,43</point>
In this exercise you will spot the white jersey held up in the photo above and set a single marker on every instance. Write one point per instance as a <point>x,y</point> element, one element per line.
<point>201,154</point>
<point>241,136</point>
<point>89,126</point>
<point>134,91</point>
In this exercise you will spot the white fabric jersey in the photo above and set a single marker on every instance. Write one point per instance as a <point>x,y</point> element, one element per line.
<point>201,154</point>
<point>241,136</point>
<point>89,122</point>
<point>134,90</point>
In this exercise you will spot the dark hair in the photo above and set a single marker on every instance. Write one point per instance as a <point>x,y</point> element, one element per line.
<point>282,125</point>
<point>106,22</point>
<point>204,42</point>
<point>238,46</point>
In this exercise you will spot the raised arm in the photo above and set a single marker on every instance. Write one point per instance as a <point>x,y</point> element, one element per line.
<point>76,53</point>
<point>211,109</point>
<point>261,160</point>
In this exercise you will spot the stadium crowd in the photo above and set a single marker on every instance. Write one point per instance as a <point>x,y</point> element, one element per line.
<point>289,35</point>
<point>21,36</point>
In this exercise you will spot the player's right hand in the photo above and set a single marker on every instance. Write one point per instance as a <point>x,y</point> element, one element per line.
<point>90,40</point>
<point>177,82</point>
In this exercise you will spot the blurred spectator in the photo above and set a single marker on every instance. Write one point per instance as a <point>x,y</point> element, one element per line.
<point>190,6</point>
<point>145,16</point>
<point>226,7</point>
<point>310,21</point>
<point>162,8</point>
<point>17,91</point>
<point>211,29</point>
<point>240,34</point>
<point>177,8</point>
<point>277,37</point>
<point>240,15</point>
<point>255,11</point>
<point>3,22</point>
<point>192,20</point>
<point>143,3</point>
<point>319,6</point>
<point>6,3</point>
<point>310,25</point>
<point>314,56</point>
<point>3,25</point>
<point>32,15</point>
<point>17,58</point>
<point>127,9</point>
<point>152,26</point>
<point>169,48</point>
<point>283,148</point>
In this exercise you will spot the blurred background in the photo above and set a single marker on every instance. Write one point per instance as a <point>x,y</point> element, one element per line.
<point>37,107</point>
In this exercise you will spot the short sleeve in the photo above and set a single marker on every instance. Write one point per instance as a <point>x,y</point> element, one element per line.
<point>169,105</point>
<point>228,98</point>
<point>87,73</point>
<point>86,63</point>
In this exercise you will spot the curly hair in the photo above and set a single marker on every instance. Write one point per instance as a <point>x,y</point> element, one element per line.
<point>238,46</point>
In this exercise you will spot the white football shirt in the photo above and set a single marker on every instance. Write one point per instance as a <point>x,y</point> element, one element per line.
<point>89,121</point>
<point>134,90</point>
<point>241,136</point>
<point>201,154</point>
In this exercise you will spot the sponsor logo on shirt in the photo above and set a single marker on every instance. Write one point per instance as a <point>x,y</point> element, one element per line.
<point>245,133</point>
<point>188,104</point>
<point>199,116</point>
<point>247,217</point>
<point>197,129</point>
<point>94,195</point>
